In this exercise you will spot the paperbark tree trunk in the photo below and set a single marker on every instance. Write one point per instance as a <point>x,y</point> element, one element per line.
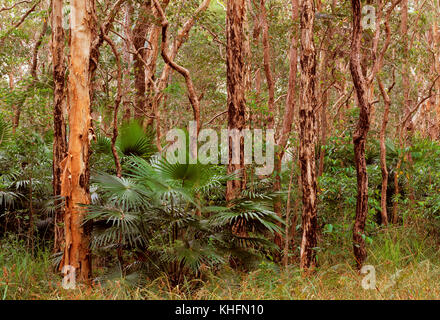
<point>128,59</point>
<point>360,136</point>
<point>236,77</point>
<point>150,71</point>
<point>59,143</point>
<point>307,121</point>
<point>139,42</point>
<point>75,180</point>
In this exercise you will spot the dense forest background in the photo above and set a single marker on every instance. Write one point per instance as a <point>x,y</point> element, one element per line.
<point>90,88</point>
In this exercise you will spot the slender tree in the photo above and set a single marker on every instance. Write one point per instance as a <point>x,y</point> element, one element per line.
<point>59,143</point>
<point>383,150</point>
<point>363,85</point>
<point>307,121</point>
<point>286,128</point>
<point>360,135</point>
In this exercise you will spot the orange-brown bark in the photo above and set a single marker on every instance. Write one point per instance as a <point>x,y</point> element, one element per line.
<point>75,180</point>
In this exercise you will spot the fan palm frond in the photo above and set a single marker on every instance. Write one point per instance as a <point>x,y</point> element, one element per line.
<point>122,192</point>
<point>256,215</point>
<point>102,144</point>
<point>122,227</point>
<point>133,140</point>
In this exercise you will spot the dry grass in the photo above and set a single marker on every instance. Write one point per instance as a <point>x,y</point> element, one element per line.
<point>406,261</point>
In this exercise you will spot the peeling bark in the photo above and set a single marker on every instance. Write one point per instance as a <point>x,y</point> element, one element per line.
<point>236,82</point>
<point>139,42</point>
<point>60,142</point>
<point>75,179</point>
<point>307,119</point>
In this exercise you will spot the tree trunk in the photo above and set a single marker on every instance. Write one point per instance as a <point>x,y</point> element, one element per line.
<point>406,85</point>
<point>36,50</point>
<point>139,42</point>
<point>75,180</point>
<point>236,84</point>
<point>360,136</point>
<point>193,98</point>
<point>59,143</point>
<point>151,60</point>
<point>236,77</point>
<point>288,117</point>
<point>405,73</point>
<point>435,45</point>
<point>127,57</point>
<point>383,153</point>
<point>307,121</point>
<point>267,70</point>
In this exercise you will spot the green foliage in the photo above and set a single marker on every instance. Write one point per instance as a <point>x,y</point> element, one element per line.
<point>133,140</point>
<point>5,131</point>
<point>157,212</point>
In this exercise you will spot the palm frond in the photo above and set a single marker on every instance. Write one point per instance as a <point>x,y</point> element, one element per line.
<point>133,140</point>
<point>122,192</point>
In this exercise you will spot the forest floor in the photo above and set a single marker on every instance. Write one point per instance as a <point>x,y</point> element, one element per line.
<point>406,263</point>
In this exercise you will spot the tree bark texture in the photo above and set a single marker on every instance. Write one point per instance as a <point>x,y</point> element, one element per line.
<point>60,142</point>
<point>75,180</point>
<point>307,120</point>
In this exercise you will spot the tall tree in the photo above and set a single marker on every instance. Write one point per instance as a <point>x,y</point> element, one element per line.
<point>75,180</point>
<point>267,68</point>
<point>59,142</point>
<point>363,85</point>
<point>383,150</point>
<point>307,120</point>
<point>360,135</point>
<point>127,58</point>
<point>236,77</point>
<point>286,128</point>
<point>193,98</point>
